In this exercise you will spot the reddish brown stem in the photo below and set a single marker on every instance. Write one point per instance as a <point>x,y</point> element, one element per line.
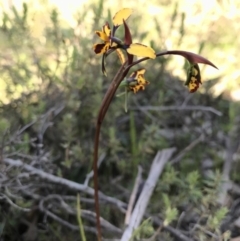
<point>95,179</point>
<point>122,72</point>
<point>191,57</point>
<point>102,112</point>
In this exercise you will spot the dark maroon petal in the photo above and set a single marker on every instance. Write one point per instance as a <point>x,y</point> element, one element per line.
<point>128,41</point>
<point>191,57</point>
<point>98,48</point>
<point>127,36</point>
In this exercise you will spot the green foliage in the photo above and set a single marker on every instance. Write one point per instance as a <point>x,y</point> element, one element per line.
<point>194,191</point>
<point>197,196</point>
<point>4,125</point>
<point>143,231</point>
<point>170,213</point>
<point>214,221</point>
<point>211,189</point>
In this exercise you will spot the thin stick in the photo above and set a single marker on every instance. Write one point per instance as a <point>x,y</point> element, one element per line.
<point>156,169</point>
<point>179,108</point>
<point>133,195</point>
<point>71,185</point>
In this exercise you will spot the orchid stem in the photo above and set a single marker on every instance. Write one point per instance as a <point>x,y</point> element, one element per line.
<point>122,72</point>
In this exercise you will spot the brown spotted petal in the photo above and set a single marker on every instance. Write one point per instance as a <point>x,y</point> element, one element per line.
<point>100,48</point>
<point>140,72</point>
<point>137,81</point>
<point>104,35</point>
<point>193,78</point>
<point>193,85</point>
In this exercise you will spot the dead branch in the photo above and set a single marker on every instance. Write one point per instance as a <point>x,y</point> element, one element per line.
<point>233,143</point>
<point>178,108</point>
<point>156,169</point>
<point>187,149</point>
<point>64,182</point>
<point>133,195</point>
<point>87,214</point>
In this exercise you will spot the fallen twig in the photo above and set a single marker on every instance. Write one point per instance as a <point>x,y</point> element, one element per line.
<point>62,181</point>
<point>174,108</point>
<point>133,195</point>
<point>156,169</point>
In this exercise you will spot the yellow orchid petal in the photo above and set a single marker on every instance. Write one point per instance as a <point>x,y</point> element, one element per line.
<point>141,51</point>
<point>141,72</point>
<point>114,44</point>
<point>120,15</point>
<point>141,80</point>
<point>138,72</point>
<point>134,89</point>
<point>106,29</point>
<point>121,56</point>
<point>102,36</point>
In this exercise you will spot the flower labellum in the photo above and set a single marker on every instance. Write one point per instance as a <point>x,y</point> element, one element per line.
<point>193,78</point>
<point>136,81</point>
